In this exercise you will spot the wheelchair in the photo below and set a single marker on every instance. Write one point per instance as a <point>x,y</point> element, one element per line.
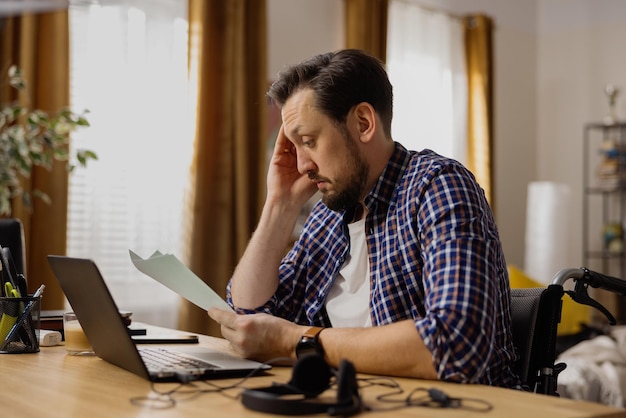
<point>536,313</point>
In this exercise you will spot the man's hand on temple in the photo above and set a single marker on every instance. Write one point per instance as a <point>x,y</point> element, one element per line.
<point>283,177</point>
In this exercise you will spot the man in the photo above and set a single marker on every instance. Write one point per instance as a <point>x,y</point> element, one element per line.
<point>399,267</point>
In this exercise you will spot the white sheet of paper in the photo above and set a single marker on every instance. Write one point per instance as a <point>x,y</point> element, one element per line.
<point>171,272</point>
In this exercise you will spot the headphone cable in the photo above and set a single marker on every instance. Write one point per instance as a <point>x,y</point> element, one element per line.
<point>166,399</point>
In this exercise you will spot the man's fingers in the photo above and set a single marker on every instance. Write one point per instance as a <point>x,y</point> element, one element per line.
<point>282,143</point>
<point>222,317</point>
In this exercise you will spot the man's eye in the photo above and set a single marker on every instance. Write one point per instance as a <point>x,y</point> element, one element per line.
<point>307,142</point>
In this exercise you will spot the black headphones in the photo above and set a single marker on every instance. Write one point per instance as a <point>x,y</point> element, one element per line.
<point>311,376</point>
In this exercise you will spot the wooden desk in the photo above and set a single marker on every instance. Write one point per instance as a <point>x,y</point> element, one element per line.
<point>52,384</point>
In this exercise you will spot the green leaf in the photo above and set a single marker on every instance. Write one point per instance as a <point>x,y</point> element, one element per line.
<point>16,111</point>
<point>41,195</point>
<point>85,155</point>
<point>60,154</point>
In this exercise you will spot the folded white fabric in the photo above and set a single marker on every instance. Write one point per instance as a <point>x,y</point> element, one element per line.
<point>596,371</point>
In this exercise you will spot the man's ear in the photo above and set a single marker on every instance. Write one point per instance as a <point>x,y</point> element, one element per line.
<point>365,120</point>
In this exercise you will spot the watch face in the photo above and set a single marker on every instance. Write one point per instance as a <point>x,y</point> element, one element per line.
<point>308,346</point>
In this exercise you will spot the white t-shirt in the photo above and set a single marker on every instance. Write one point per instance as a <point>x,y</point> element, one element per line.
<point>348,301</point>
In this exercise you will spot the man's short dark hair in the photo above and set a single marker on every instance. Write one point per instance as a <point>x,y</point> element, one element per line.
<point>340,80</point>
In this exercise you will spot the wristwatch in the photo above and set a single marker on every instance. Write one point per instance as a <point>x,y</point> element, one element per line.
<point>309,343</point>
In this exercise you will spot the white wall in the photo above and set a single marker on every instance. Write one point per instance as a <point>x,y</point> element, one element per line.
<point>299,29</point>
<point>552,59</point>
<point>581,50</point>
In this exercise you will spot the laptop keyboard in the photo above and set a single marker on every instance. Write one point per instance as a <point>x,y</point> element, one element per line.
<point>162,359</point>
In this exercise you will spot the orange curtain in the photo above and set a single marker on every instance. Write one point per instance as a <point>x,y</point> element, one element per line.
<point>366,26</point>
<point>478,48</point>
<point>39,45</point>
<point>227,60</point>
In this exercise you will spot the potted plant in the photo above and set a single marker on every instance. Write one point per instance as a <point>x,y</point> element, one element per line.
<point>30,138</point>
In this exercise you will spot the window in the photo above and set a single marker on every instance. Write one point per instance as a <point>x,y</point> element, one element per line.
<point>129,68</point>
<point>426,66</point>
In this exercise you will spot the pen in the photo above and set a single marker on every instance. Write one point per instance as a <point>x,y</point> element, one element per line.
<point>38,292</point>
<point>22,317</point>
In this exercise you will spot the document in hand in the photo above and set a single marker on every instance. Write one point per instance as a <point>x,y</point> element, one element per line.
<point>169,271</point>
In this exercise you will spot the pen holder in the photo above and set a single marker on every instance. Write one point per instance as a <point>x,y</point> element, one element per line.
<point>19,325</point>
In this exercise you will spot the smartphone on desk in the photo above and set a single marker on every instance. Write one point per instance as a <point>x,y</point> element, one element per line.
<point>165,338</point>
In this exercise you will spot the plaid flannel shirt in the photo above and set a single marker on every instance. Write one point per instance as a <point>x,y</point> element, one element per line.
<point>435,257</point>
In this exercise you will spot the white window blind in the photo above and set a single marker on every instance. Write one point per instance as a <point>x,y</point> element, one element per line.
<point>426,65</point>
<point>129,68</point>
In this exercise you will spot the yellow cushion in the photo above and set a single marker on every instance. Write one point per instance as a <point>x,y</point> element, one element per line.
<point>572,315</point>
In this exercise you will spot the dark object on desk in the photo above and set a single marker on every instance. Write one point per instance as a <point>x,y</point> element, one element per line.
<point>311,376</point>
<point>52,320</point>
<point>12,237</point>
<point>137,331</point>
<point>166,339</point>
<point>126,317</point>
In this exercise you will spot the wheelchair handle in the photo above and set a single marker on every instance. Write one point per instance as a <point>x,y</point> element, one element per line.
<point>584,278</point>
<point>592,278</point>
<point>612,284</point>
<point>565,274</point>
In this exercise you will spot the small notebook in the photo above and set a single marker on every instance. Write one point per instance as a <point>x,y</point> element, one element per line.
<point>98,314</point>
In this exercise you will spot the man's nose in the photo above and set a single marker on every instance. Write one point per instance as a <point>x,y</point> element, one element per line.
<point>305,163</point>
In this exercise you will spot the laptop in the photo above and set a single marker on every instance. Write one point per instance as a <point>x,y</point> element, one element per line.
<point>99,316</point>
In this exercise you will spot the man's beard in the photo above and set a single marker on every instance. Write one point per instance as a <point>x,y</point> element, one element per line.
<point>349,188</point>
